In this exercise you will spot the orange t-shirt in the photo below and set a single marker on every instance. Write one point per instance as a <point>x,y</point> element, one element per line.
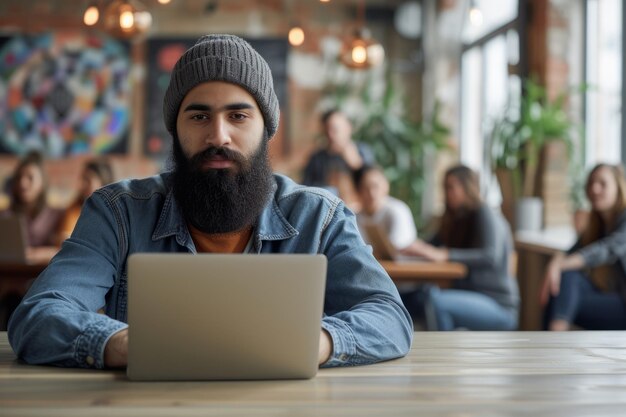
<point>234,242</point>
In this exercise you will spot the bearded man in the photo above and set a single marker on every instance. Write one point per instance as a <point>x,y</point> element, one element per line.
<point>221,197</point>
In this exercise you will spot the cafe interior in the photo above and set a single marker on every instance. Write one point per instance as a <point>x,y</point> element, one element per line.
<point>526,93</point>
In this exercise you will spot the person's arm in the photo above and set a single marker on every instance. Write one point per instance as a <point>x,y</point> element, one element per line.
<point>490,240</point>
<point>352,157</point>
<point>58,321</point>
<point>116,350</point>
<point>363,313</point>
<point>601,252</point>
<point>326,347</point>
<point>552,278</point>
<point>489,249</point>
<point>608,249</point>
<point>427,251</point>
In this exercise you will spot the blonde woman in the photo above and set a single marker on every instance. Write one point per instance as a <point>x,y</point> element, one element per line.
<point>587,285</point>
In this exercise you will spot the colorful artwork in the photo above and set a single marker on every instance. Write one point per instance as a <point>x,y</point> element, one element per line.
<point>64,94</point>
<point>162,56</point>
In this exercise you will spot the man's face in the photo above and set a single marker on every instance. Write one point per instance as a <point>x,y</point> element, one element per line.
<point>221,115</point>
<point>338,132</point>
<point>222,177</point>
<point>373,191</point>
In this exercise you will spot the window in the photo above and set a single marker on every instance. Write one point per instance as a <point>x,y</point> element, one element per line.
<point>488,76</point>
<point>603,64</point>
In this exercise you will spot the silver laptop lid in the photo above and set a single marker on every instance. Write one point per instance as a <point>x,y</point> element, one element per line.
<point>236,316</point>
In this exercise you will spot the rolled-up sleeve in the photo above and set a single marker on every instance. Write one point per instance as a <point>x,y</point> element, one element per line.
<point>58,322</point>
<point>364,314</point>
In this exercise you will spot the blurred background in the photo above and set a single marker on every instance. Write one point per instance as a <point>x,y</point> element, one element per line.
<point>504,86</point>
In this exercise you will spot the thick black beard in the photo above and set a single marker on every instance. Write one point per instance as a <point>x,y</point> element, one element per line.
<point>221,200</point>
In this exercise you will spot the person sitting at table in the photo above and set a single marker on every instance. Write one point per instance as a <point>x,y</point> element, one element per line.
<point>95,174</point>
<point>473,234</point>
<point>379,208</point>
<point>29,187</point>
<point>28,199</point>
<point>586,286</point>
<point>221,197</point>
<point>333,165</point>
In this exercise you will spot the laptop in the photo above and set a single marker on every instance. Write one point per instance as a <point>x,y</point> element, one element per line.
<point>12,240</point>
<point>224,316</point>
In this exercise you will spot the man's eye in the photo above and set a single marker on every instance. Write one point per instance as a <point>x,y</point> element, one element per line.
<point>199,117</point>
<point>238,116</point>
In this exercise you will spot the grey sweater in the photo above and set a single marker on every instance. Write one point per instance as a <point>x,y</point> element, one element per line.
<point>608,250</point>
<point>487,258</point>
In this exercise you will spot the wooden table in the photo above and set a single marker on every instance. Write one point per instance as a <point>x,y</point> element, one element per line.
<point>446,374</point>
<point>534,250</point>
<point>440,273</point>
<point>402,270</point>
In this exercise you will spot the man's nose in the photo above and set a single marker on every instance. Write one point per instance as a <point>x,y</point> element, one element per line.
<point>218,133</point>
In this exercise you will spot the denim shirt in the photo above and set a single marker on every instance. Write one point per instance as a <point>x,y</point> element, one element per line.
<point>58,321</point>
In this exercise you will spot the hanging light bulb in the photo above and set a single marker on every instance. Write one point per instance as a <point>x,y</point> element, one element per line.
<point>360,50</point>
<point>475,14</point>
<point>296,36</point>
<point>164,1</point>
<point>91,16</point>
<point>126,18</point>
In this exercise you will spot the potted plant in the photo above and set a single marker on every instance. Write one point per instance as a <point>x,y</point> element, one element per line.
<point>518,139</point>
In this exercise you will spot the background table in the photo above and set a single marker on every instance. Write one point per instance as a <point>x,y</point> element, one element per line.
<point>534,250</point>
<point>446,374</point>
<point>440,273</point>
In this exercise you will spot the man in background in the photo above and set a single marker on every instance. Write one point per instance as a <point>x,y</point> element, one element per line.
<point>332,167</point>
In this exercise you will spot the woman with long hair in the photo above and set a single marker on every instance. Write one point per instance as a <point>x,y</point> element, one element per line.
<point>29,187</point>
<point>587,285</point>
<point>473,234</point>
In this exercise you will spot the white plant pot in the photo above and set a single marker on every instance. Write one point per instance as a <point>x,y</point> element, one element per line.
<point>529,214</point>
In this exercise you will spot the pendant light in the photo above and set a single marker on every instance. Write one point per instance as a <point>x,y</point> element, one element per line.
<point>360,50</point>
<point>120,18</point>
<point>475,14</point>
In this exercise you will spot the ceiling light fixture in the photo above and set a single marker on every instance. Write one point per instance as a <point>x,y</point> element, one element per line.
<point>296,36</point>
<point>91,15</point>
<point>360,50</point>
<point>475,14</point>
<point>120,18</point>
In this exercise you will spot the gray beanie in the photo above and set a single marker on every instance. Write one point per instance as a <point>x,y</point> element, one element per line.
<point>222,58</point>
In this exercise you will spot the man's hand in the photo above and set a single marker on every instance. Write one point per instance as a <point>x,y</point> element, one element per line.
<point>326,347</point>
<point>352,157</point>
<point>116,350</point>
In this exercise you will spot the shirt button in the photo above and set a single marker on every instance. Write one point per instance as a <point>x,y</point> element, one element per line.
<point>90,361</point>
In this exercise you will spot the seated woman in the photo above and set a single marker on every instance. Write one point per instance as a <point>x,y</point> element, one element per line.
<point>28,200</point>
<point>28,187</point>
<point>587,285</point>
<point>378,208</point>
<point>471,233</point>
<point>96,173</point>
